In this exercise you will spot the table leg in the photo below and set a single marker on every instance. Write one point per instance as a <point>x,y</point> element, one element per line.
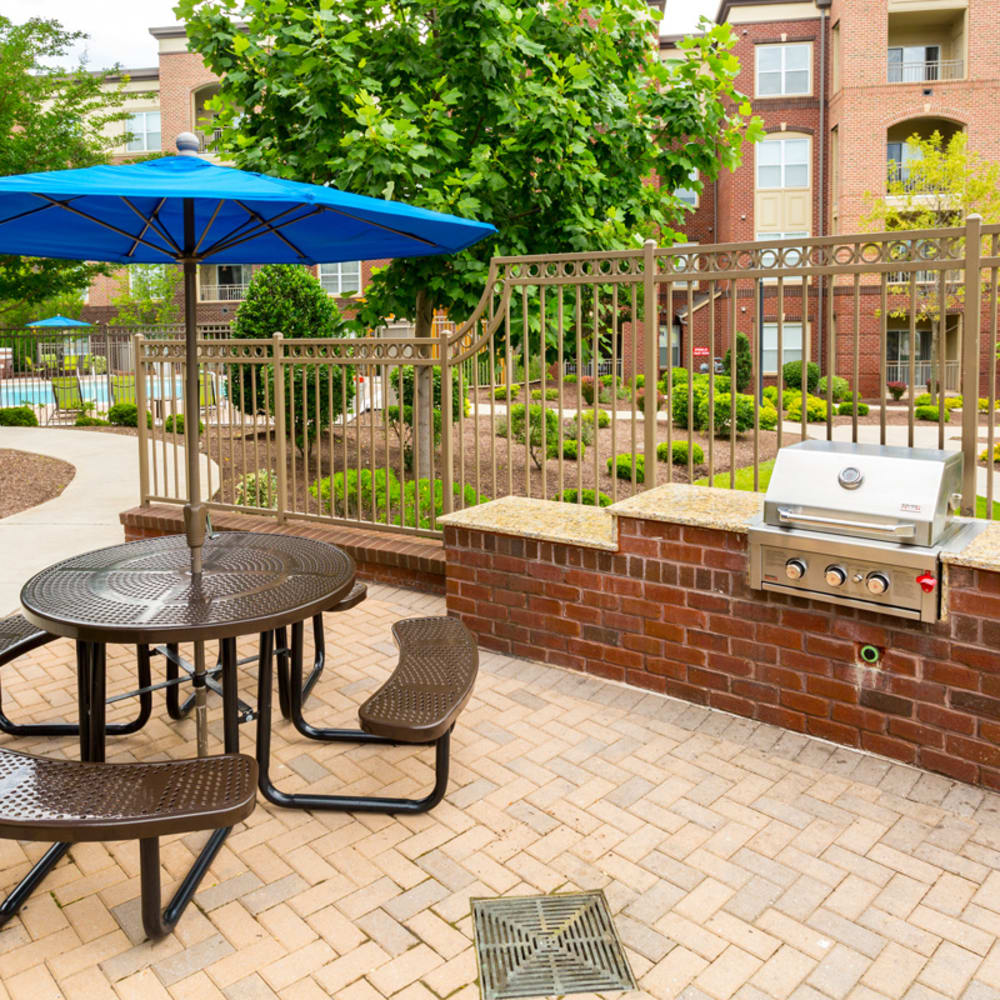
<point>83,685</point>
<point>98,685</point>
<point>200,698</point>
<point>230,702</point>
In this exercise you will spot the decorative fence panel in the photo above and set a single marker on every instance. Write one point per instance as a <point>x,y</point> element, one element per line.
<point>390,431</point>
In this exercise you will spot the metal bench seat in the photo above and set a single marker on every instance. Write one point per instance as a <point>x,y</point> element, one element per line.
<point>418,704</point>
<point>44,799</point>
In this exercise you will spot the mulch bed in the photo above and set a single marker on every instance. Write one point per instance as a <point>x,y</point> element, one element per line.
<point>26,480</point>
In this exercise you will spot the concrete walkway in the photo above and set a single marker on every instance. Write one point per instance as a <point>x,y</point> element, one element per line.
<point>84,516</point>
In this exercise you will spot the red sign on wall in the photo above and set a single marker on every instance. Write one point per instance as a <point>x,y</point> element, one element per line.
<point>700,352</point>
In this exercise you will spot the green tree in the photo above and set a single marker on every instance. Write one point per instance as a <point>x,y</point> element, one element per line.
<point>944,182</point>
<point>287,299</point>
<point>147,294</point>
<point>548,120</point>
<point>50,119</point>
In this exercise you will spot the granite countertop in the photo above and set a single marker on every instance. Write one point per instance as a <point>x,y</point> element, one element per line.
<point>983,552</point>
<point>548,520</point>
<point>706,507</point>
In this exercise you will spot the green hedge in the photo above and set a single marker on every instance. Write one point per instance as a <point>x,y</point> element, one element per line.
<point>678,453</point>
<point>586,497</point>
<point>18,416</point>
<point>621,466</point>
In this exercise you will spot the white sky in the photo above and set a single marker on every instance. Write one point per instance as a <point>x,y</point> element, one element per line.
<point>119,29</point>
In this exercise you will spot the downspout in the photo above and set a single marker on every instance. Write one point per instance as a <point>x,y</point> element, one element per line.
<point>824,7</point>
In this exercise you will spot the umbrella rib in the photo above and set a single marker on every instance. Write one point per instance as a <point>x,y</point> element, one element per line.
<point>106,225</point>
<point>237,237</point>
<point>378,225</point>
<point>30,211</point>
<point>245,227</point>
<point>270,227</point>
<point>211,222</point>
<point>151,222</point>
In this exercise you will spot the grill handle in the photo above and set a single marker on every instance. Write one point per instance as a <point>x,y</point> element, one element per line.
<point>900,530</point>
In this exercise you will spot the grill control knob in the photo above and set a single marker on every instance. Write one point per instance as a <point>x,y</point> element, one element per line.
<point>877,583</point>
<point>795,569</point>
<point>835,575</point>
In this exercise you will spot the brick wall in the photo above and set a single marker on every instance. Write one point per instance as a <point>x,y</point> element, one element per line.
<point>672,611</point>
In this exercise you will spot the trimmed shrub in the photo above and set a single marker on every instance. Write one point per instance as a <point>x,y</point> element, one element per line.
<point>640,400</point>
<point>585,497</point>
<point>587,390</point>
<point>792,374</point>
<point>572,449</point>
<point>815,410</point>
<point>522,422</point>
<point>127,415</point>
<point>744,362</point>
<point>723,413</point>
<point>500,392</point>
<point>603,418</point>
<point>985,452</point>
<point>924,399</point>
<point>85,420</point>
<point>621,466</point>
<point>953,403</point>
<point>550,395</point>
<point>984,404</point>
<point>847,408</point>
<point>841,388</point>
<point>569,379</point>
<point>678,453</point>
<point>768,418</point>
<point>174,424</point>
<point>639,382</point>
<point>896,389</point>
<point>19,416</point>
<point>771,393</point>
<point>260,489</point>
<point>931,413</point>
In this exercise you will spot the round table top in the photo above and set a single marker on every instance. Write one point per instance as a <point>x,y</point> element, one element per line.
<point>143,592</point>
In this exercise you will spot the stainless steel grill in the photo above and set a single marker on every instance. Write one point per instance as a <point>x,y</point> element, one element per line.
<point>860,525</point>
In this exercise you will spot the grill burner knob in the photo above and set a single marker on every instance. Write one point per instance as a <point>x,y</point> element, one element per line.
<point>835,575</point>
<point>795,569</point>
<point>877,583</point>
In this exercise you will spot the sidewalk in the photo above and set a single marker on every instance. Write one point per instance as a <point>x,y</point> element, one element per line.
<point>84,516</point>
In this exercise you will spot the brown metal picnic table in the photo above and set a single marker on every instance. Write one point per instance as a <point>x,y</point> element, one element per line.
<point>143,593</point>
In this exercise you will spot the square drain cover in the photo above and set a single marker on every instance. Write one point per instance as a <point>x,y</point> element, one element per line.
<point>535,946</point>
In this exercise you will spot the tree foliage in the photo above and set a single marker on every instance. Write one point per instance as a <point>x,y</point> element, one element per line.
<point>147,295</point>
<point>50,119</point>
<point>547,119</point>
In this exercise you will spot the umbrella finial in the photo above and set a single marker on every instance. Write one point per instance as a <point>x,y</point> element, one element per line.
<point>187,144</point>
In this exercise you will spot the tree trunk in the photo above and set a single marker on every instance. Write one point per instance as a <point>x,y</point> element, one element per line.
<point>423,432</point>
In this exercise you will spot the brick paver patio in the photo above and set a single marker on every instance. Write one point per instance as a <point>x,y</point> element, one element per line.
<point>739,860</point>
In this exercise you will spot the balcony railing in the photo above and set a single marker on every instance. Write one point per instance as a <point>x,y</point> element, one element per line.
<point>222,293</point>
<point>925,278</point>
<point>900,173</point>
<point>899,371</point>
<point>919,72</point>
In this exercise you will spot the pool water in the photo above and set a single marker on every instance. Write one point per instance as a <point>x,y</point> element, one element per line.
<point>38,392</point>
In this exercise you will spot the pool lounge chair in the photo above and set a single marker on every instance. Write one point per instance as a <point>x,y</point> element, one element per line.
<point>122,389</point>
<point>68,395</point>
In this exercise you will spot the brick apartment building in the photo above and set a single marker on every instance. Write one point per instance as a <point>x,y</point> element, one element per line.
<point>164,101</point>
<point>840,85</point>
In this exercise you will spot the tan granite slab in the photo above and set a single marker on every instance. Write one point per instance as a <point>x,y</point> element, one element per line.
<point>706,507</point>
<point>548,520</point>
<point>983,552</point>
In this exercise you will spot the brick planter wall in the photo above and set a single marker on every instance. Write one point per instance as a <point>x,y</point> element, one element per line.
<point>413,562</point>
<point>672,611</point>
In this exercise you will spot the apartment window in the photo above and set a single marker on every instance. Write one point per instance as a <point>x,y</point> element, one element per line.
<point>897,346</point>
<point>790,257</point>
<point>684,263</point>
<point>784,70</point>
<point>224,282</point>
<point>783,163</point>
<point>689,195</point>
<point>913,63</point>
<point>144,127</point>
<point>670,349</point>
<point>791,346</point>
<point>899,157</point>
<point>341,278</point>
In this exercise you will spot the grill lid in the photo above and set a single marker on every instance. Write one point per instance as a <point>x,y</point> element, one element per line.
<point>906,495</point>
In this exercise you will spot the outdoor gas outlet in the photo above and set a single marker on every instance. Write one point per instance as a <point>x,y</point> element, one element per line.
<point>870,654</point>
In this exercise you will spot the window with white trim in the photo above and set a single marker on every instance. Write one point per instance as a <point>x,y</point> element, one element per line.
<point>790,257</point>
<point>684,262</point>
<point>689,195</point>
<point>784,70</point>
<point>791,346</point>
<point>341,278</point>
<point>144,127</point>
<point>782,163</point>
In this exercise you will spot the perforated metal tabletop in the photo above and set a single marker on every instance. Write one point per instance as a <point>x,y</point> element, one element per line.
<point>143,592</point>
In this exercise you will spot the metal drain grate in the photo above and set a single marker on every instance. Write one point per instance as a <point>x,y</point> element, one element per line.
<point>535,946</point>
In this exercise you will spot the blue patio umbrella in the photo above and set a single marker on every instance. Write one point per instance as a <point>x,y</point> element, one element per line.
<point>182,209</point>
<point>60,322</point>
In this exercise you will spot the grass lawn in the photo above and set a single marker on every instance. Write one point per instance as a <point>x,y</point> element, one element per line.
<point>744,481</point>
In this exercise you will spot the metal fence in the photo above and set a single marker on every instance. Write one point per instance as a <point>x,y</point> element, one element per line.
<point>390,431</point>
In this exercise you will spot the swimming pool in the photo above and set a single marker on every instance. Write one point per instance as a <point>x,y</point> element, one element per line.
<point>38,391</point>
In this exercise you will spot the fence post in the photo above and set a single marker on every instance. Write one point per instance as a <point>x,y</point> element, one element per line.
<point>447,436</point>
<point>138,342</point>
<point>277,359</point>
<point>970,358</point>
<point>651,365</point>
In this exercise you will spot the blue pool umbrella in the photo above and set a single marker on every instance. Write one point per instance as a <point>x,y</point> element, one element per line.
<point>182,209</point>
<point>59,321</point>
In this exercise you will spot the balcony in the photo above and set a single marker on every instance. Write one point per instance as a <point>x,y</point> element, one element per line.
<point>920,71</point>
<point>222,293</point>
